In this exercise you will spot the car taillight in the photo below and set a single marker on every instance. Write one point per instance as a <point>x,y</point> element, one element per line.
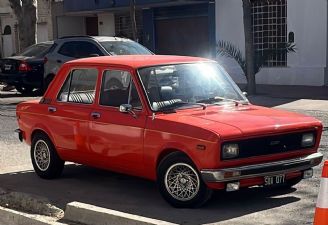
<point>24,67</point>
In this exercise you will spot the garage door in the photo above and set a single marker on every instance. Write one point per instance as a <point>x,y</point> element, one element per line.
<point>183,36</point>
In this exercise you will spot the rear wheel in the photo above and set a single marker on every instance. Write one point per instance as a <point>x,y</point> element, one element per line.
<point>46,162</point>
<point>24,89</point>
<point>180,183</point>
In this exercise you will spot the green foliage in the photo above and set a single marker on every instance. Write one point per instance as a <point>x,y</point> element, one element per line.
<point>229,50</point>
<point>226,48</point>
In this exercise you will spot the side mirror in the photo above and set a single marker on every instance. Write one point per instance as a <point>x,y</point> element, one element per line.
<point>245,93</point>
<point>127,108</point>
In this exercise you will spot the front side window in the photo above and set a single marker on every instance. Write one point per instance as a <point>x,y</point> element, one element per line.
<point>118,88</point>
<point>79,87</point>
<point>188,85</point>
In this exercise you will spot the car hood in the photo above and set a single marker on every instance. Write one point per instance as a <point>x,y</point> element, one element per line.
<point>247,120</point>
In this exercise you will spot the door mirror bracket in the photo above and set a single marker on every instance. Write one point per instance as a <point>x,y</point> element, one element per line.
<point>127,108</point>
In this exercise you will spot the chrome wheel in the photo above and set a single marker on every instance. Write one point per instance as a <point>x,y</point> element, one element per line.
<point>41,155</point>
<point>182,181</point>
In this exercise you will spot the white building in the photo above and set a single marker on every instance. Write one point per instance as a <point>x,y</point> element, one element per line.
<point>305,21</point>
<point>9,36</point>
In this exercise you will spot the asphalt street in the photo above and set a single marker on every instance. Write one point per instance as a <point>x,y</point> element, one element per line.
<point>141,197</point>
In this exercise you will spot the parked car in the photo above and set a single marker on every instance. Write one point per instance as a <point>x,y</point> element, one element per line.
<point>74,47</point>
<point>25,70</point>
<point>180,121</point>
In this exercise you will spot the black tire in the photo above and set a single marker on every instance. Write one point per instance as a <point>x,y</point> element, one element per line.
<point>51,165</point>
<point>174,161</point>
<point>24,89</point>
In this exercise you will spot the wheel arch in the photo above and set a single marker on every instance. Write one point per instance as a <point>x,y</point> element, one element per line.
<point>168,151</point>
<point>39,130</point>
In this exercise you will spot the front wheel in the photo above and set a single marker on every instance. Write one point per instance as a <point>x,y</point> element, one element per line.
<point>180,183</point>
<point>46,162</point>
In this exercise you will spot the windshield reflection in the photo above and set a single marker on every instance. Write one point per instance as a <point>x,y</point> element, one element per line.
<point>188,85</point>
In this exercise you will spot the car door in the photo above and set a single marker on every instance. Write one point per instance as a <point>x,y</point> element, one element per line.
<point>115,137</point>
<point>69,115</point>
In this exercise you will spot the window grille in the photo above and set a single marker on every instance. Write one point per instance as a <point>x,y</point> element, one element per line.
<point>123,25</point>
<point>269,22</point>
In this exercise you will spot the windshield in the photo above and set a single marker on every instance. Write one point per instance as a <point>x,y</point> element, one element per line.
<point>36,50</point>
<point>188,85</point>
<point>125,48</point>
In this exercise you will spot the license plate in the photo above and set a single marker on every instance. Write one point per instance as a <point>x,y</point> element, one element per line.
<point>272,180</point>
<point>7,67</point>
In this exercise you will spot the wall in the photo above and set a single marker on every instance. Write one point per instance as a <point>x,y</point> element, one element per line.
<point>106,24</point>
<point>229,27</point>
<point>44,21</point>
<point>307,19</point>
<point>70,25</point>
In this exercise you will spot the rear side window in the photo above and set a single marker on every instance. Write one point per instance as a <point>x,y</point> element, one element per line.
<point>79,49</point>
<point>79,87</point>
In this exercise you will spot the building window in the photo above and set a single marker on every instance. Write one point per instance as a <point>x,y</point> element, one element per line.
<point>269,19</point>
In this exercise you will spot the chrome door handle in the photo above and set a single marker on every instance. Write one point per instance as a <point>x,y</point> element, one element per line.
<point>95,115</point>
<point>52,109</point>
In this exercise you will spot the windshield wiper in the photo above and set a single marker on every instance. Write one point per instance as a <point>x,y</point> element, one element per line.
<point>180,104</point>
<point>215,99</point>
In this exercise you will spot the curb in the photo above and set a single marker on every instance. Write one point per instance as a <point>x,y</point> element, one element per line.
<point>12,217</point>
<point>91,215</point>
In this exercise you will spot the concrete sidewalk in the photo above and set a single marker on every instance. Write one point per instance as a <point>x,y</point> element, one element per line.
<point>289,103</point>
<point>291,97</point>
<point>293,92</point>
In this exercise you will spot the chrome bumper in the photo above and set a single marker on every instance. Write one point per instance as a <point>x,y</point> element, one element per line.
<point>20,134</point>
<point>264,169</point>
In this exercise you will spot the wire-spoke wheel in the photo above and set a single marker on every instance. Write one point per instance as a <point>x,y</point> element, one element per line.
<point>46,162</point>
<point>42,155</point>
<point>180,183</point>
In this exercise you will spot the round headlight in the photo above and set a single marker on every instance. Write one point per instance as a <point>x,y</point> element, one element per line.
<point>230,151</point>
<point>308,140</point>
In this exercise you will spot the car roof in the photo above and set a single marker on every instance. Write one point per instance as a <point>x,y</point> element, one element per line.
<point>45,42</point>
<point>97,38</point>
<point>138,61</point>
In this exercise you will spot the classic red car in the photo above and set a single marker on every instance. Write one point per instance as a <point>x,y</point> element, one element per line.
<point>180,121</point>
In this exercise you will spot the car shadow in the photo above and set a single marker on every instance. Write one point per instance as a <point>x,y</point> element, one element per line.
<point>138,196</point>
<point>15,94</point>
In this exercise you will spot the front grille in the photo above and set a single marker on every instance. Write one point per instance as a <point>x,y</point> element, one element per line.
<point>271,144</point>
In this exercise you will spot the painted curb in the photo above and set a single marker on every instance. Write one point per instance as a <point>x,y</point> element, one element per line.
<point>93,215</point>
<point>12,217</point>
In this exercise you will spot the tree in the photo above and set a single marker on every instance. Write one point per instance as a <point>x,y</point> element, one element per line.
<point>253,60</point>
<point>249,47</point>
<point>133,20</point>
<point>25,11</point>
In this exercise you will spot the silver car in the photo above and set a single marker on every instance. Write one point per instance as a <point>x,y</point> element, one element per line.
<point>73,47</point>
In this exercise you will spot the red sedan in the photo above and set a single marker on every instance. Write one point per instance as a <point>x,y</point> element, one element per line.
<point>180,121</point>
